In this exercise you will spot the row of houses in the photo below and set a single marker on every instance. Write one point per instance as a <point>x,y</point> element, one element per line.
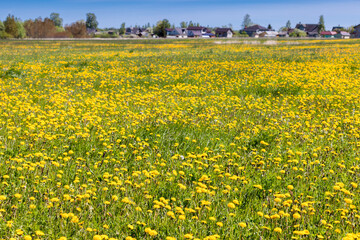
<point>198,32</point>
<point>311,30</point>
<point>189,32</point>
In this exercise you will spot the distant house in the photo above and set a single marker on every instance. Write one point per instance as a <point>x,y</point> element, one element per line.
<point>342,35</point>
<point>196,32</point>
<point>145,32</point>
<point>283,34</point>
<point>91,31</point>
<point>111,32</point>
<point>290,30</point>
<point>337,28</point>
<point>356,33</point>
<point>254,30</point>
<point>224,32</point>
<point>208,35</point>
<point>176,33</point>
<point>135,31</point>
<point>169,33</point>
<point>269,34</point>
<point>131,30</point>
<point>312,30</point>
<point>328,34</point>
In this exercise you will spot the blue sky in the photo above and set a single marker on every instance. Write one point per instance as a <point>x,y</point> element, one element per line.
<point>111,13</point>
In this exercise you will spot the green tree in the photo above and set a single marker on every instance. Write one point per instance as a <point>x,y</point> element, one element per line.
<point>288,24</point>
<point>58,21</point>
<point>10,26</point>
<point>321,24</point>
<point>298,33</point>
<point>242,34</point>
<point>2,27</point>
<point>350,29</point>
<point>269,27</point>
<point>91,21</point>
<point>160,28</point>
<point>247,21</point>
<point>21,33</point>
<point>122,29</point>
<point>3,34</point>
<point>183,24</point>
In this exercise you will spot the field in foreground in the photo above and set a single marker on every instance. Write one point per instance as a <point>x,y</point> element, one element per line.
<point>179,140</point>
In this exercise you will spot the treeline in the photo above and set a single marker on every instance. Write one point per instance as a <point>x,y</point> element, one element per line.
<point>51,27</point>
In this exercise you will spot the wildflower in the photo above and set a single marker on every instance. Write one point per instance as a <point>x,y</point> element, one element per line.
<point>17,195</point>
<point>188,236</point>
<point>39,233</point>
<point>258,186</point>
<point>97,237</point>
<point>231,205</point>
<point>242,224</point>
<point>19,232</point>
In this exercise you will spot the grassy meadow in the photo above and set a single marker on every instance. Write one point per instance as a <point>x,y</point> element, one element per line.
<point>179,140</point>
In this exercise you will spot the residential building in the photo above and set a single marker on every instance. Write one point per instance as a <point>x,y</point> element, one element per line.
<point>269,34</point>
<point>337,28</point>
<point>254,30</point>
<point>91,31</point>
<point>356,33</point>
<point>342,35</point>
<point>176,33</point>
<point>312,30</point>
<point>283,34</point>
<point>134,31</point>
<point>208,35</point>
<point>111,32</point>
<point>224,32</point>
<point>328,34</point>
<point>196,32</point>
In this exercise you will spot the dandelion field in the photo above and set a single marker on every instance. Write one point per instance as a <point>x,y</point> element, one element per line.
<point>179,140</point>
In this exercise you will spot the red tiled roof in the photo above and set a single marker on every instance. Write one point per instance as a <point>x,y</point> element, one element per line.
<point>328,33</point>
<point>344,33</point>
<point>195,28</point>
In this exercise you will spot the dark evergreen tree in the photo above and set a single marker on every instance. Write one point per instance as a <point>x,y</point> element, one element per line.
<point>10,26</point>
<point>247,21</point>
<point>55,17</point>
<point>161,26</point>
<point>321,24</point>
<point>91,21</point>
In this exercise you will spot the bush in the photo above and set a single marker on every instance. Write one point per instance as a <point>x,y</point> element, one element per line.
<point>40,28</point>
<point>77,29</point>
<point>298,33</point>
<point>5,35</point>
<point>10,26</point>
<point>63,34</point>
<point>241,34</point>
<point>105,35</point>
<point>21,30</point>
<point>2,27</point>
